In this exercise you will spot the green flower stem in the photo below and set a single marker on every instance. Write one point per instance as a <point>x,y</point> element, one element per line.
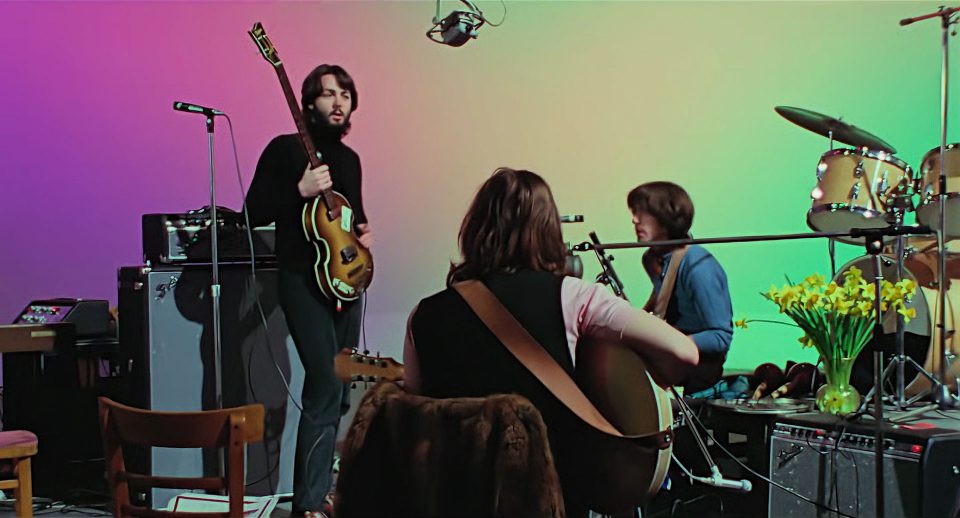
<point>751,320</point>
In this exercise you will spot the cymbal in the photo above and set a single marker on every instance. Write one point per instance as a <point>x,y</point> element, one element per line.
<point>842,132</point>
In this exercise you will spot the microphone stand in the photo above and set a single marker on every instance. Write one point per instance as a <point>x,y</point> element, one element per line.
<point>215,280</point>
<point>209,114</point>
<point>942,395</point>
<point>607,274</point>
<point>895,230</point>
<point>873,241</point>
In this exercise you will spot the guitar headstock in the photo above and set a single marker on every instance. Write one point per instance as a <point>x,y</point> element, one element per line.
<point>353,366</point>
<point>259,35</point>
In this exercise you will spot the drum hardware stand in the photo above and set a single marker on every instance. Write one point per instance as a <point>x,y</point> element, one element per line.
<point>873,242</point>
<point>899,359</point>
<point>941,394</point>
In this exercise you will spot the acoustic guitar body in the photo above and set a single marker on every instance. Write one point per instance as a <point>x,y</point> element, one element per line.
<point>617,475</point>
<point>343,267</point>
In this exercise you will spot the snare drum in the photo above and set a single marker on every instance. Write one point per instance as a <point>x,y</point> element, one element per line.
<point>928,212</point>
<point>857,189</point>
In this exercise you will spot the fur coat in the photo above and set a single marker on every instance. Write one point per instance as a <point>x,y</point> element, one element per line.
<point>408,455</point>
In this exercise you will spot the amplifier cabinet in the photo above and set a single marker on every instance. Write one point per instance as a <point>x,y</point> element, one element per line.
<point>833,464</point>
<point>166,339</point>
<point>185,238</point>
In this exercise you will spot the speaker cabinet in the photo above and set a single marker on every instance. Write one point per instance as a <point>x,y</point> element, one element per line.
<point>833,464</point>
<point>166,337</point>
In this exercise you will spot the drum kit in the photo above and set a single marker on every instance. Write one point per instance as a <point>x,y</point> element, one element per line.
<point>867,187</point>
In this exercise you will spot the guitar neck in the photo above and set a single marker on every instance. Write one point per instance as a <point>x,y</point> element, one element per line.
<point>305,140</point>
<point>294,106</point>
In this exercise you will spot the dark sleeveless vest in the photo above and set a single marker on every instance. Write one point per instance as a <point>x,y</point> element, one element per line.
<point>460,357</point>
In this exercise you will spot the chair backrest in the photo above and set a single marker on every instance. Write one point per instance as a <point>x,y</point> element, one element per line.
<point>230,429</point>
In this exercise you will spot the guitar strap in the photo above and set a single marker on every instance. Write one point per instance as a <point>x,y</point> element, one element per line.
<point>658,305</point>
<point>525,348</point>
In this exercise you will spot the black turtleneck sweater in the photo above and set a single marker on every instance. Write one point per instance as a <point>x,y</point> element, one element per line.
<point>273,196</point>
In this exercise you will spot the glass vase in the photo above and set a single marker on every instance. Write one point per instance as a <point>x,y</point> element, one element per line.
<point>837,396</point>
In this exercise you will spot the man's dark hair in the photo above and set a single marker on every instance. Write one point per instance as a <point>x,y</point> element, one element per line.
<point>668,203</point>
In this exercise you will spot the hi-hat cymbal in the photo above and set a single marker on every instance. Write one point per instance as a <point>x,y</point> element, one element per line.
<point>842,132</point>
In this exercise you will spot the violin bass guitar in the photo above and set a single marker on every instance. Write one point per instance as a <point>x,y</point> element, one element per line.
<point>343,268</point>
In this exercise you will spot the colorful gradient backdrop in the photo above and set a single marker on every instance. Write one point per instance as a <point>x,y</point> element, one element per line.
<point>597,97</point>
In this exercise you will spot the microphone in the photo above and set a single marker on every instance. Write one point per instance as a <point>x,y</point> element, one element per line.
<point>607,276</point>
<point>459,26</point>
<point>717,480</point>
<point>571,218</point>
<point>195,108</point>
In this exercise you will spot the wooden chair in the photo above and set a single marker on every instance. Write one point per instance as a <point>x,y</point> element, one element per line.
<point>18,446</point>
<point>230,429</point>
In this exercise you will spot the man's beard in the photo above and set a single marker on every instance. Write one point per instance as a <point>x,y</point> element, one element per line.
<point>322,131</point>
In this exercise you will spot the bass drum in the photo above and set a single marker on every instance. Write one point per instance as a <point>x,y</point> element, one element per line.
<point>921,338</point>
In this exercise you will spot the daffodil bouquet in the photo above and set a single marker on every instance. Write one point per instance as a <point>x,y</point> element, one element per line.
<point>838,320</point>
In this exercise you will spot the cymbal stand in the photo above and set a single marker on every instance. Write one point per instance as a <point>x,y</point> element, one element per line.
<point>941,394</point>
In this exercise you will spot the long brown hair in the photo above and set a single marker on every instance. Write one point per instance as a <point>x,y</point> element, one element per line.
<point>512,224</point>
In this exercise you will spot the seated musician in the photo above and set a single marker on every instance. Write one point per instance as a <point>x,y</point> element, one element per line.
<point>510,239</point>
<point>699,303</point>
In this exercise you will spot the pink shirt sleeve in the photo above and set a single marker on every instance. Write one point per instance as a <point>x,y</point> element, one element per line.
<point>589,309</point>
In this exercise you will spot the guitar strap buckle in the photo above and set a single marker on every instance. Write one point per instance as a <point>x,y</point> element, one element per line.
<point>656,441</point>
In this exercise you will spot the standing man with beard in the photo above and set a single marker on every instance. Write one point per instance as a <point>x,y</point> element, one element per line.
<point>281,185</point>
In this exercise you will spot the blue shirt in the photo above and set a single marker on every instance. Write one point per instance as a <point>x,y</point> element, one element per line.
<point>700,306</point>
